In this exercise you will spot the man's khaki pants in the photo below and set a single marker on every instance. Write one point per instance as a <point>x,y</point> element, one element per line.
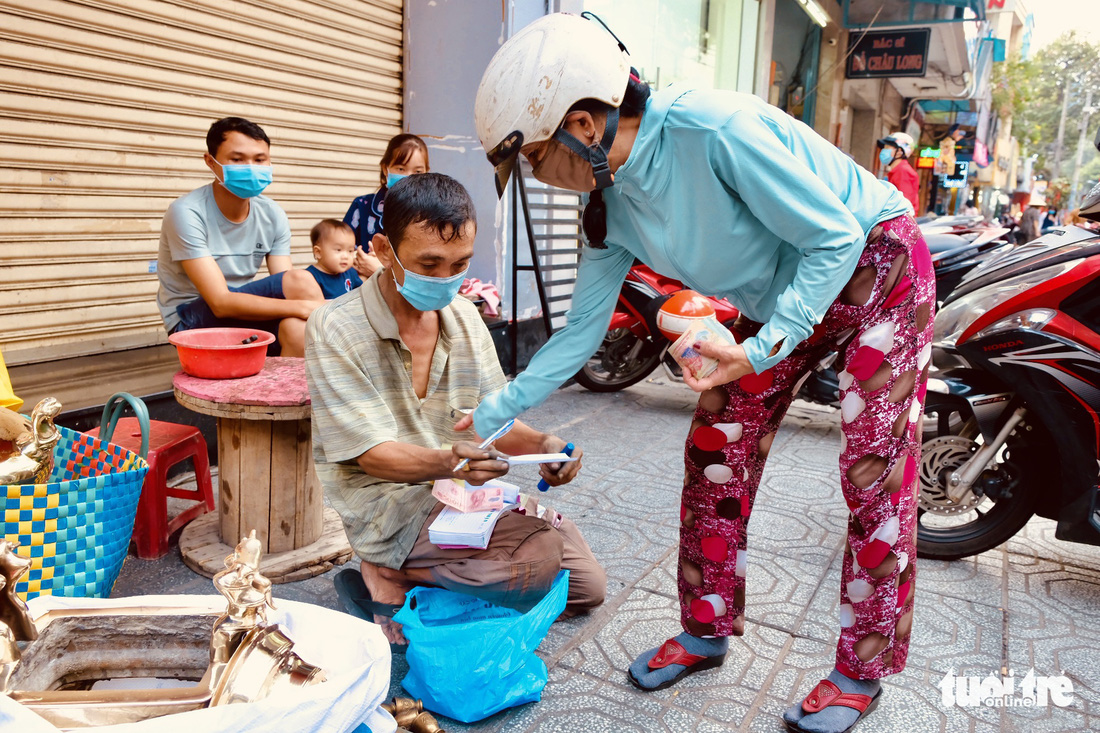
<point>518,567</point>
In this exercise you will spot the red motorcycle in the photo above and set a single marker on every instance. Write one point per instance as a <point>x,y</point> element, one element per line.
<point>634,347</point>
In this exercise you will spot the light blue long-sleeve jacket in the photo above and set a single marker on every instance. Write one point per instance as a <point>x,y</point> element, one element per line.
<point>733,197</point>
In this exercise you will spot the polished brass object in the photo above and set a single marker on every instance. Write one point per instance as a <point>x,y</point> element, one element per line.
<point>410,716</point>
<point>233,657</point>
<point>425,723</point>
<point>248,594</point>
<point>14,615</point>
<point>403,705</point>
<point>15,619</point>
<point>30,458</point>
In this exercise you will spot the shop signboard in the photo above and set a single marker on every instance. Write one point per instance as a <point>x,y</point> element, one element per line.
<point>928,157</point>
<point>884,54</point>
<point>958,179</point>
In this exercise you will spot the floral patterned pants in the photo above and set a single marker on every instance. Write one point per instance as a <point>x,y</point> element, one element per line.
<point>881,325</point>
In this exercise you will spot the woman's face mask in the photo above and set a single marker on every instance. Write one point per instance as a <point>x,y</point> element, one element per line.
<point>886,156</point>
<point>428,293</point>
<point>559,167</point>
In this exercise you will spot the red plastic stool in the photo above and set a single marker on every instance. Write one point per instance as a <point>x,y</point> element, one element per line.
<point>169,444</point>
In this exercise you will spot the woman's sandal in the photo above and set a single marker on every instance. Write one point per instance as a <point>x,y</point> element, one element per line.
<point>671,652</point>
<point>355,599</point>
<point>827,694</point>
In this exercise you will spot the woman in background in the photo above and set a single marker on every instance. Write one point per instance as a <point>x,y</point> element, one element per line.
<point>405,155</point>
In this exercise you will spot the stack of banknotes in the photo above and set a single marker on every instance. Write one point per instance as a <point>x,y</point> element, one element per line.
<point>702,330</point>
<point>465,498</point>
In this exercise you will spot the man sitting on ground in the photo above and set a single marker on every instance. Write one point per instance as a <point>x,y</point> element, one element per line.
<point>214,239</point>
<point>390,372</point>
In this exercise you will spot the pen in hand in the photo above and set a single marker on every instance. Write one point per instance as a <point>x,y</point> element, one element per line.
<point>499,433</point>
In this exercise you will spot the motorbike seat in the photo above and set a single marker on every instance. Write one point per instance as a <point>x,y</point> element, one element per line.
<point>943,242</point>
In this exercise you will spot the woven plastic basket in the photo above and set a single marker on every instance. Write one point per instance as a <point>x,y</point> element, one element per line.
<point>76,528</point>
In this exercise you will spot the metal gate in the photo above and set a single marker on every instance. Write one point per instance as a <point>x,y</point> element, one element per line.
<point>104,105</point>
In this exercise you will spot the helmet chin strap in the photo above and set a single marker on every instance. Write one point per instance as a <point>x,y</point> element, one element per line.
<point>595,154</point>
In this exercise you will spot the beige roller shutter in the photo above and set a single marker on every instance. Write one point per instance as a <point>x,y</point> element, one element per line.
<point>104,106</point>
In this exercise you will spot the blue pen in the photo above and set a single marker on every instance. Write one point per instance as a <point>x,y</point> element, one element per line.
<point>568,450</point>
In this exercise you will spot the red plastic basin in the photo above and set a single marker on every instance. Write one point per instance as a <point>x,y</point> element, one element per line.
<point>217,353</point>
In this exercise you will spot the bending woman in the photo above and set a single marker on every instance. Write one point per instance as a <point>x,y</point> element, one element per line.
<point>736,199</point>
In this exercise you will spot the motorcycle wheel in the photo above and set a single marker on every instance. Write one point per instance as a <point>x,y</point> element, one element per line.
<point>623,359</point>
<point>1006,492</point>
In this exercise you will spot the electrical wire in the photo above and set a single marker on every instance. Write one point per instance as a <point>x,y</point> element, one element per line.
<point>851,49</point>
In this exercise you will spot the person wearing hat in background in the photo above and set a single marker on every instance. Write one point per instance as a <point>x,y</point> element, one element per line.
<point>1031,221</point>
<point>893,154</point>
<point>945,164</point>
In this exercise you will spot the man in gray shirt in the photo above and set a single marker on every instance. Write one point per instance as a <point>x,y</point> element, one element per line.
<point>214,239</point>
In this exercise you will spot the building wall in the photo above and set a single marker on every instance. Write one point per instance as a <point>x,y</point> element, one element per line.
<point>448,45</point>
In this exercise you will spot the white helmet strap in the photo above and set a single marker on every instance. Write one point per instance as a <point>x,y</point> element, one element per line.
<point>595,154</point>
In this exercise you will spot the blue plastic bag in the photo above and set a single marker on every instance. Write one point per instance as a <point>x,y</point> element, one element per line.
<point>468,658</point>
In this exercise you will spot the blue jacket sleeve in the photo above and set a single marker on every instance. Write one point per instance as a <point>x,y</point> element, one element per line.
<point>785,194</point>
<point>599,279</point>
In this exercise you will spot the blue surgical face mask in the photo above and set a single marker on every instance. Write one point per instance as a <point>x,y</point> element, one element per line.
<point>886,156</point>
<point>393,178</point>
<point>245,180</point>
<point>428,293</point>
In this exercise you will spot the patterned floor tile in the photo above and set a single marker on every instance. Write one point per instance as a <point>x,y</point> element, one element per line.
<point>1033,603</point>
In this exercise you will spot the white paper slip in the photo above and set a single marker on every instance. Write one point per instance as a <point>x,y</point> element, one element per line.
<point>510,491</point>
<point>538,458</point>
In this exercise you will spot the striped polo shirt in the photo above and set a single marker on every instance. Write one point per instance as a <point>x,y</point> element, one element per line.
<point>360,384</point>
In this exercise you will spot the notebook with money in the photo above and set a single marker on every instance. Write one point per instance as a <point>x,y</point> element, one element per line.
<point>453,528</point>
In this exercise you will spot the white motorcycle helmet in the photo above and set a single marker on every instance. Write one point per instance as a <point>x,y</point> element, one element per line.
<point>536,77</point>
<point>900,140</point>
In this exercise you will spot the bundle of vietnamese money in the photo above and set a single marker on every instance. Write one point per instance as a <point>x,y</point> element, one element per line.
<point>701,330</point>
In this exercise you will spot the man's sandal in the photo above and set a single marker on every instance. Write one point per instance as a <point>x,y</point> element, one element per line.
<point>355,599</point>
<point>671,652</point>
<point>827,694</point>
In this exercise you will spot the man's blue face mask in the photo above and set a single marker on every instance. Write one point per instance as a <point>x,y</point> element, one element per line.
<point>428,293</point>
<point>245,180</point>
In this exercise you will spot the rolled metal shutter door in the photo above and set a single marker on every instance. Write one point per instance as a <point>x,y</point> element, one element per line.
<point>104,107</point>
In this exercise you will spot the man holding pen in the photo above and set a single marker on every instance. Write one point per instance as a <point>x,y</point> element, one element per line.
<point>391,367</point>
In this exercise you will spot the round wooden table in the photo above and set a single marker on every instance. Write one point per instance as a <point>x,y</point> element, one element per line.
<point>266,478</point>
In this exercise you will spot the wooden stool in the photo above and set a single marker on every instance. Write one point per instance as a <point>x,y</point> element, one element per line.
<point>169,444</point>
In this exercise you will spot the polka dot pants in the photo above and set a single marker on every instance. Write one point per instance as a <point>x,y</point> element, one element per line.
<point>881,325</point>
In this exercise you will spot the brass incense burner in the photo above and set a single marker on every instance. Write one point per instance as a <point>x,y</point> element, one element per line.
<point>206,656</point>
<point>26,446</point>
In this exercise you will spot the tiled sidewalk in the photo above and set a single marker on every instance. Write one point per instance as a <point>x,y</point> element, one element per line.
<point>1032,603</point>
